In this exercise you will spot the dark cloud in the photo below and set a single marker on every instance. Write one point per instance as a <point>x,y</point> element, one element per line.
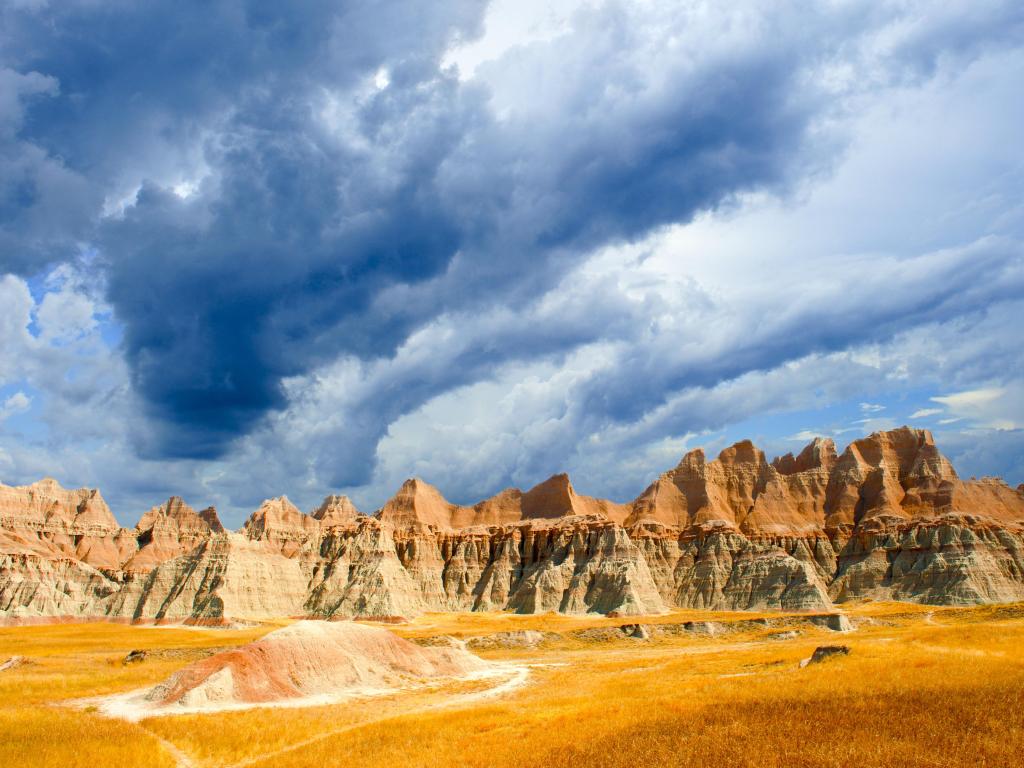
<point>332,218</point>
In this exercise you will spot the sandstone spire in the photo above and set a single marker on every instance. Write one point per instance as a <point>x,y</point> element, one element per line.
<point>417,503</point>
<point>336,510</point>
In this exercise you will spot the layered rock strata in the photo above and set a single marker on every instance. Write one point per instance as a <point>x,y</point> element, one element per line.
<point>887,519</point>
<point>311,662</point>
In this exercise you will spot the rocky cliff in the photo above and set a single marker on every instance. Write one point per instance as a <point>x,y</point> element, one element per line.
<point>887,519</point>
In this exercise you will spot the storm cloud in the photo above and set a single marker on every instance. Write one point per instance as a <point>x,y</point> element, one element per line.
<point>295,206</point>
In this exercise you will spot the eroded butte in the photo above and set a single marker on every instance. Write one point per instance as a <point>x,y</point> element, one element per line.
<point>887,519</point>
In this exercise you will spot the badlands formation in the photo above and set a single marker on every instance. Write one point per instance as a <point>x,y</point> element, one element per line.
<point>887,519</point>
<point>309,662</point>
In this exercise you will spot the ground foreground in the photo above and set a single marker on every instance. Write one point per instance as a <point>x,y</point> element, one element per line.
<point>921,687</point>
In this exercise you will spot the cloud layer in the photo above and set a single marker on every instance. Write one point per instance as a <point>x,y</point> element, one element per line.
<point>252,245</point>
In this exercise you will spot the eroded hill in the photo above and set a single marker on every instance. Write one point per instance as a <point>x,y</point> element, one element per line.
<point>888,519</point>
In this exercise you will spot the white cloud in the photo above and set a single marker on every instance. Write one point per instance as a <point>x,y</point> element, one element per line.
<point>508,24</point>
<point>17,345</point>
<point>185,189</point>
<point>871,408</point>
<point>972,399</point>
<point>988,407</point>
<point>64,316</point>
<point>924,413</point>
<point>804,436</point>
<point>19,402</point>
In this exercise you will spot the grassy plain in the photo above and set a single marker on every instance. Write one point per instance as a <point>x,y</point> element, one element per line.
<point>922,687</point>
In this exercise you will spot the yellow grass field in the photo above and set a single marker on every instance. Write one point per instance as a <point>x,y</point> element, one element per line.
<point>921,687</point>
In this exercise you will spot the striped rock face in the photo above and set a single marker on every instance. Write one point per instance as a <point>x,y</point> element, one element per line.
<point>311,658</point>
<point>888,519</point>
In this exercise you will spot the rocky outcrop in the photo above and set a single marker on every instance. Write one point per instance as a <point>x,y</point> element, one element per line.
<point>54,521</point>
<point>575,564</point>
<point>556,497</point>
<point>281,525</point>
<point>520,638</point>
<point>34,584</point>
<point>336,510</point>
<point>716,567</point>
<point>955,559</point>
<point>170,530</point>
<point>419,504</point>
<point>229,575</point>
<point>742,489</point>
<point>312,661</point>
<point>887,519</point>
<point>826,652</point>
<point>359,574</point>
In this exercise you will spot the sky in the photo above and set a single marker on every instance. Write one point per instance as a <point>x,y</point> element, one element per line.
<point>255,248</point>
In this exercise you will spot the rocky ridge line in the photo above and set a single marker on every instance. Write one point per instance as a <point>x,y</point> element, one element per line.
<point>887,519</point>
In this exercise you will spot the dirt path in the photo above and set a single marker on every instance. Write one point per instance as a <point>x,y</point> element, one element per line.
<point>181,760</point>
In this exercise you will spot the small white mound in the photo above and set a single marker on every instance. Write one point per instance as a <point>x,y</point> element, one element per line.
<point>309,662</point>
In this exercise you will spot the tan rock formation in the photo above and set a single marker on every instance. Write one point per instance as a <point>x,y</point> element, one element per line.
<point>417,504</point>
<point>582,564</point>
<point>556,497</point>
<point>742,489</point>
<point>575,564</point>
<point>335,510</point>
<point>716,567</point>
<point>359,574</point>
<point>420,504</point>
<point>888,518</point>
<point>503,508</point>
<point>304,660</point>
<point>75,523</point>
<point>34,584</point>
<point>209,515</point>
<point>280,524</point>
<point>228,576</point>
<point>168,531</point>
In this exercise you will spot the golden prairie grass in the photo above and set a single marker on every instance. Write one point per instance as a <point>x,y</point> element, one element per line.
<point>922,687</point>
<point>70,661</point>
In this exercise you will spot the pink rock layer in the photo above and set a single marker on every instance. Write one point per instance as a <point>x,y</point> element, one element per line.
<point>311,658</point>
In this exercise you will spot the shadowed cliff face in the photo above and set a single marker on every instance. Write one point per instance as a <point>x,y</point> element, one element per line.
<point>888,519</point>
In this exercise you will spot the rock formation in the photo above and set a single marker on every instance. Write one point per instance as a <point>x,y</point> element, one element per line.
<point>887,519</point>
<point>171,530</point>
<point>825,652</point>
<point>336,510</point>
<point>304,660</point>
